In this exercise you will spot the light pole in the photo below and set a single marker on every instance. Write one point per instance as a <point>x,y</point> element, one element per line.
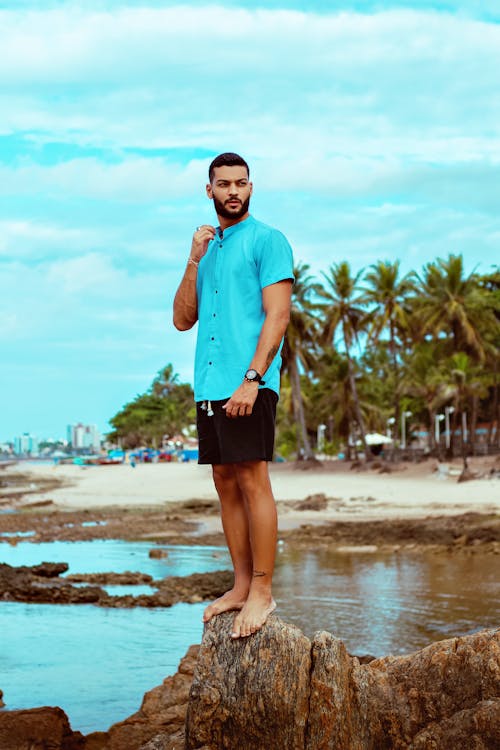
<point>320,438</point>
<point>438,418</point>
<point>390,422</point>
<point>404,415</point>
<point>447,411</point>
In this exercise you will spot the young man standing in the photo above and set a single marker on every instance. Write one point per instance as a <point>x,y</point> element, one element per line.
<point>237,285</point>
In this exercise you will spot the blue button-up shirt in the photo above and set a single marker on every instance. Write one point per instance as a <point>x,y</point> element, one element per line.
<point>238,264</point>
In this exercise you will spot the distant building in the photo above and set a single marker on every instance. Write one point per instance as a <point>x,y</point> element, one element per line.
<point>26,445</point>
<point>84,437</point>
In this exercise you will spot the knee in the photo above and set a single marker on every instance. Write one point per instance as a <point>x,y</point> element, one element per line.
<point>223,473</point>
<point>248,476</point>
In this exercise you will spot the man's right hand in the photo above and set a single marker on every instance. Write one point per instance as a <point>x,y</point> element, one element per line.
<point>201,238</point>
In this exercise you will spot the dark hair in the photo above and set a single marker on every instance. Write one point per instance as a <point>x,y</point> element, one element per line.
<point>227,160</point>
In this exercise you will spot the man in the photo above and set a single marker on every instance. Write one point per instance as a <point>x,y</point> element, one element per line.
<point>237,285</point>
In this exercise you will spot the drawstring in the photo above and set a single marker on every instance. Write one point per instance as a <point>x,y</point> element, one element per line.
<point>207,406</point>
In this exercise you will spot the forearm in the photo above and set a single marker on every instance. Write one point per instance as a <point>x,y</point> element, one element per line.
<point>269,341</point>
<point>186,300</point>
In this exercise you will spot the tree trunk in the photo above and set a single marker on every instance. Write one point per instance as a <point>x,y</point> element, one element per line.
<point>355,399</point>
<point>304,449</point>
<point>396,385</point>
<point>473,424</point>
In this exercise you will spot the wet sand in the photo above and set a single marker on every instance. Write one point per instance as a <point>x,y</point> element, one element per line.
<point>327,505</point>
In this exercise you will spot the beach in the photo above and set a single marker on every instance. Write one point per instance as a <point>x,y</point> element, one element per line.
<point>408,491</point>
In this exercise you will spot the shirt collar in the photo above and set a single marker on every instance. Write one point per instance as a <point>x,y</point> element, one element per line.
<point>237,227</point>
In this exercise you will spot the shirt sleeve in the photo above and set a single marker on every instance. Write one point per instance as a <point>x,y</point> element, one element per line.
<point>275,259</point>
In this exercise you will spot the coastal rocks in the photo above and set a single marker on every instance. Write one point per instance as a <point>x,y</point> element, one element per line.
<point>157,553</point>
<point>314,502</point>
<point>38,729</point>
<point>277,689</point>
<point>127,578</point>
<point>40,583</point>
<point>252,692</point>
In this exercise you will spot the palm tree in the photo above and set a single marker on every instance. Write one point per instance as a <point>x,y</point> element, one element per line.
<point>470,384</point>
<point>425,380</point>
<point>342,310</point>
<point>388,293</point>
<point>448,301</point>
<point>298,350</point>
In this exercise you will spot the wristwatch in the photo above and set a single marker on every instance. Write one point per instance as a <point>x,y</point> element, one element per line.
<point>252,376</point>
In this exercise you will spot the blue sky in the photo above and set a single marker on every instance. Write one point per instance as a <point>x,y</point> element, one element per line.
<point>372,130</point>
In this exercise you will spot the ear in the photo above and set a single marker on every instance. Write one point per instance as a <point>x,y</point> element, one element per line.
<point>209,190</point>
<point>251,187</point>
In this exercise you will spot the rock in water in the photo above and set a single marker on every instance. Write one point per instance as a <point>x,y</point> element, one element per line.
<point>38,729</point>
<point>276,689</point>
<point>250,693</point>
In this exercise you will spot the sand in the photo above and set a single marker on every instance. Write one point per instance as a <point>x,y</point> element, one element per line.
<point>409,492</point>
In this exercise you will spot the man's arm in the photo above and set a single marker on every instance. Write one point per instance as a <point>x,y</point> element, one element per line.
<point>186,299</point>
<point>276,300</point>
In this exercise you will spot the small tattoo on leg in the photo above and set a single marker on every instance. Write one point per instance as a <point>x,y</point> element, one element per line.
<point>259,573</point>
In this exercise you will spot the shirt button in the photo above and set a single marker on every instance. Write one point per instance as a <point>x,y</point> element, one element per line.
<point>214,315</point>
<point>209,363</point>
<point>212,338</point>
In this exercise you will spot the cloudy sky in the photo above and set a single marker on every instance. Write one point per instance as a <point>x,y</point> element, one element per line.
<point>371,128</point>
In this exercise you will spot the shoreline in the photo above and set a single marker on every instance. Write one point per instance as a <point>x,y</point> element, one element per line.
<point>384,491</point>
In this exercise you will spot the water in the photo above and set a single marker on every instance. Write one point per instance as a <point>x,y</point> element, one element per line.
<point>97,663</point>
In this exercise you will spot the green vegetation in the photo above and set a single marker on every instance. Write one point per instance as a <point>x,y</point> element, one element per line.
<point>363,351</point>
<point>165,410</point>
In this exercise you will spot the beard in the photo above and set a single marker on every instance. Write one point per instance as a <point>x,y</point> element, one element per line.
<point>228,213</point>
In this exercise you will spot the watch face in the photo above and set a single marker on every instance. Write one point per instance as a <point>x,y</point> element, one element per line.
<point>251,374</point>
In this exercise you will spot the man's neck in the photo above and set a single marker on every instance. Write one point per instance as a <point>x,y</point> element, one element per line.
<point>226,223</point>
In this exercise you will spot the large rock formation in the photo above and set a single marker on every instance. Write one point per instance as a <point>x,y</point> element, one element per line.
<point>279,690</point>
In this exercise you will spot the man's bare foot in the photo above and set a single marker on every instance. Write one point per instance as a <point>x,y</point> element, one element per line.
<point>228,601</point>
<point>253,615</point>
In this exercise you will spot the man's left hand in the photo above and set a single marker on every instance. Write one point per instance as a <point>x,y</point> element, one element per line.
<point>241,402</point>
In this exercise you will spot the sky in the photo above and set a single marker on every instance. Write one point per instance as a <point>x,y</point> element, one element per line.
<point>372,130</point>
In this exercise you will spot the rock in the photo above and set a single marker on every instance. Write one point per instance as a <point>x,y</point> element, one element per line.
<point>467,475</point>
<point>38,729</point>
<point>109,579</point>
<point>29,584</point>
<point>279,690</point>
<point>157,553</point>
<point>2,704</point>
<point>251,693</point>
<point>314,502</point>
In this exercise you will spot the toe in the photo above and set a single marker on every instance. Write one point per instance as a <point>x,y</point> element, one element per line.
<point>236,632</point>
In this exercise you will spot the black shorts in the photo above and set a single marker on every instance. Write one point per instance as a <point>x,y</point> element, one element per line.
<point>228,440</point>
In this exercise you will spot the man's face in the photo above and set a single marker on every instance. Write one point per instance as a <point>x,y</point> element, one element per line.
<point>230,191</point>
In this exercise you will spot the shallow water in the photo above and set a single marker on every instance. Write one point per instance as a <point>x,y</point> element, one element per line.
<point>97,663</point>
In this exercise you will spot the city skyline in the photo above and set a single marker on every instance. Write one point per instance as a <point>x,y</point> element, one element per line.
<point>372,133</point>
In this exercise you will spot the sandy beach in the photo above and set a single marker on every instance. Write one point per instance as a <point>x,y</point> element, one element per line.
<point>409,491</point>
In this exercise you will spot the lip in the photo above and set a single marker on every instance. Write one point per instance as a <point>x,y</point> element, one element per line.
<point>233,203</point>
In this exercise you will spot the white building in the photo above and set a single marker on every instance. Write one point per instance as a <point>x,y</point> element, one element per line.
<point>26,445</point>
<point>84,437</point>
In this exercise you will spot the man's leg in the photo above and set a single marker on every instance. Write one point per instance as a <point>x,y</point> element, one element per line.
<point>253,481</point>
<point>236,531</point>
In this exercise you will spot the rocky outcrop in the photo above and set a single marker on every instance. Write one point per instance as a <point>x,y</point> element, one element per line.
<point>38,729</point>
<point>279,687</point>
<point>41,583</point>
<point>279,691</point>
